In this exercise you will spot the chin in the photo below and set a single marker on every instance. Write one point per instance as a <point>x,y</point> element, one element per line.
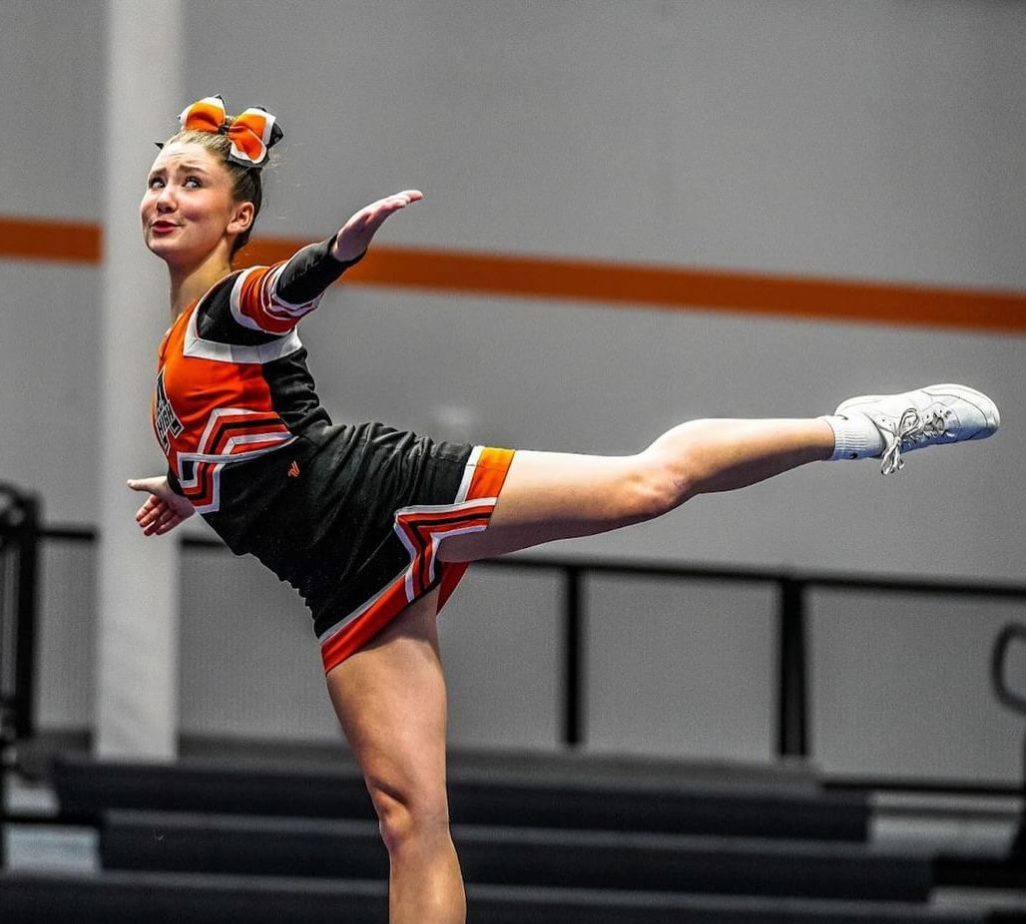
<point>159,248</point>
<point>168,250</point>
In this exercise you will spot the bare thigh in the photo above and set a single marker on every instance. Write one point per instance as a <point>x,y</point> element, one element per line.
<point>391,702</point>
<point>557,495</point>
<point>550,495</point>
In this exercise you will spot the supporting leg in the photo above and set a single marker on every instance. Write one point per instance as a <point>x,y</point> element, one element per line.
<point>390,699</point>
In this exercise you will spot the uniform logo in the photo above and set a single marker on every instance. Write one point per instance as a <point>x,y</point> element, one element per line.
<point>294,469</point>
<point>165,420</point>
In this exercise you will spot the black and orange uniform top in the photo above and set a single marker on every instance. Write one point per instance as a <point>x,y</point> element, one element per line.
<point>350,515</point>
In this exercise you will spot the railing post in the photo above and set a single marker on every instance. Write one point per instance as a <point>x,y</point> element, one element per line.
<point>1015,701</point>
<point>28,578</point>
<point>6,723</point>
<point>792,689</point>
<point>20,528</point>
<point>573,654</point>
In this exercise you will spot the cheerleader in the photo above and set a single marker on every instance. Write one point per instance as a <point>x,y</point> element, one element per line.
<point>375,526</point>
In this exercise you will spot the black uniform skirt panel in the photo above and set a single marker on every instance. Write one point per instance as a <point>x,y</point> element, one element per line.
<point>355,516</point>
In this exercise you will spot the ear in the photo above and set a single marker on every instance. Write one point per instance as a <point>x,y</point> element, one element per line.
<point>242,217</point>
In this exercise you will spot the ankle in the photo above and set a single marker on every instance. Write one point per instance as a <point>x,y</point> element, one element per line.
<point>855,436</point>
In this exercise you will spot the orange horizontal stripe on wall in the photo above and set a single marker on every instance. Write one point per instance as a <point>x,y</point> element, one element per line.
<point>677,288</point>
<point>592,281</point>
<point>42,239</point>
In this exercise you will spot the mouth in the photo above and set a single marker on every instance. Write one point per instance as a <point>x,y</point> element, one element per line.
<point>163,227</point>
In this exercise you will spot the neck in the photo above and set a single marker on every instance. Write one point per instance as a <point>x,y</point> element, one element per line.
<point>190,282</point>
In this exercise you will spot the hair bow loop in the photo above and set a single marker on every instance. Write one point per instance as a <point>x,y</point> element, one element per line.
<point>251,133</point>
<point>205,115</point>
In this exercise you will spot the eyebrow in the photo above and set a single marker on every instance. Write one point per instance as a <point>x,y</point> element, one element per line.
<point>183,165</point>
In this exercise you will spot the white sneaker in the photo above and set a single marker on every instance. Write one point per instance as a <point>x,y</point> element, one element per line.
<point>925,417</point>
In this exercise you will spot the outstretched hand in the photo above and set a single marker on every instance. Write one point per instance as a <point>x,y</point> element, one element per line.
<point>163,509</point>
<point>356,234</point>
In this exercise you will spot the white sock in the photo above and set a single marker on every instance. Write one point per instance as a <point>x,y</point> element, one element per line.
<point>855,436</point>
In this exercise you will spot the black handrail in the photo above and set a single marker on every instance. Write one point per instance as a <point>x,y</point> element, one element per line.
<point>792,707</point>
<point>821,579</point>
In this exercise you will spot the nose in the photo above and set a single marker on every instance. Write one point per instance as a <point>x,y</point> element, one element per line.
<point>166,199</point>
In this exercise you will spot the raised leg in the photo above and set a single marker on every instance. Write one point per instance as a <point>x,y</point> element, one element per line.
<point>550,496</point>
<point>390,699</point>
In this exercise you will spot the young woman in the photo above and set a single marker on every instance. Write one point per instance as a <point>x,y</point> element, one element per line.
<point>375,526</point>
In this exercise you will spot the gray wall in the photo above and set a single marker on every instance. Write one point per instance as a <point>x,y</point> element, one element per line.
<point>870,140</point>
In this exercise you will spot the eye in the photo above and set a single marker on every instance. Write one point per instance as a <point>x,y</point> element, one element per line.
<point>156,182</point>
<point>192,182</point>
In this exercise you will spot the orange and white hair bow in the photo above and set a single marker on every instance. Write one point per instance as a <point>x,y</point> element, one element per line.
<point>251,133</point>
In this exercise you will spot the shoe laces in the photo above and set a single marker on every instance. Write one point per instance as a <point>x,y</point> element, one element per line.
<point>912,429</point>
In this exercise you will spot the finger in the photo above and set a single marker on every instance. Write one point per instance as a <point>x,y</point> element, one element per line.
<point>149,512</point>
<point>407,197</point>
<point>160,526</point>
<point>144,511</point>
<point>377,213</point>
<point>167,527</point>
<point>375,218</point>
<point>371,217</point>
<point>395,202</point>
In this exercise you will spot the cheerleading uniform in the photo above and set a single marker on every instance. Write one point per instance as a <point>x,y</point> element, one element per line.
<point>350,515</point>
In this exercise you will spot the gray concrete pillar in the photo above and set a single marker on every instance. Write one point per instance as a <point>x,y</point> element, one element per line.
<point>136,707</point>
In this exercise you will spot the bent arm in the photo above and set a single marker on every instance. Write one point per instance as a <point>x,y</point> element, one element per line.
<point>163,510</point>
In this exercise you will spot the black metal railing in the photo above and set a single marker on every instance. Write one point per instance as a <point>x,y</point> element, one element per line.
<point>792,707</point>
<point>792,659</point>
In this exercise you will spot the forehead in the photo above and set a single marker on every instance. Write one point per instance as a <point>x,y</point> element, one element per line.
<point>184,154</point>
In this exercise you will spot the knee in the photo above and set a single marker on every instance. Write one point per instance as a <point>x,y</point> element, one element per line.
<point>659,483</point>
<point>409,815</point>
<point>674,468</point>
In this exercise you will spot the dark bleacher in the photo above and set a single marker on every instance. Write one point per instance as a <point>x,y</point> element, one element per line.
<point>514,856</point>
<point>540,840</point>
<point>540,794</point>
<point>179,898</point>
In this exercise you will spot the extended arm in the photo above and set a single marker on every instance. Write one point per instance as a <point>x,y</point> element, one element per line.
<point>272,300</point>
